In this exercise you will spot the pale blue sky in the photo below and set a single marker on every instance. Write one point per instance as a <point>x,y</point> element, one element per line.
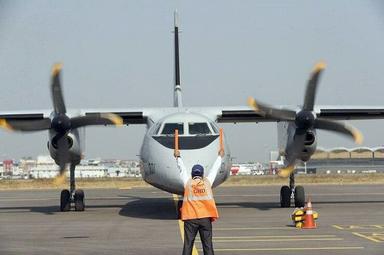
<point>120,54</point>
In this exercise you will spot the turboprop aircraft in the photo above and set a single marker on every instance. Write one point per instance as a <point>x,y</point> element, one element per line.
<point>198,131</point>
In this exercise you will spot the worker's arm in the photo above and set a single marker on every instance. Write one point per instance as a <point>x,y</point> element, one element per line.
<point>183,170</point>
<point>215,168</point>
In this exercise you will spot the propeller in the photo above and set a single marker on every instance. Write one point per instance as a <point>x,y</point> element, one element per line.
<point>61,124</point>
<point>305,120</point>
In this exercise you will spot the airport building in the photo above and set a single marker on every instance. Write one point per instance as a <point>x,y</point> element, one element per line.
<point>45,167</point>
<point>346,160</point>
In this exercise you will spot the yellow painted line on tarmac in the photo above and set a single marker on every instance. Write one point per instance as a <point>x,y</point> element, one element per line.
<point>277,240</point>
<point>292,249</point>
<point>338,227</point>
<point>127,188</point>
<point>366,237</point>
<point>359,227</point>
<point>181,225</point>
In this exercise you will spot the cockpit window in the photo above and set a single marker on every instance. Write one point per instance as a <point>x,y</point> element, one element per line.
<point>169,128</point>
<point>199,128</point>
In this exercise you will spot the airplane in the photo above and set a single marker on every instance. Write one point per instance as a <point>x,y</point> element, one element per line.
<point>198,129</point>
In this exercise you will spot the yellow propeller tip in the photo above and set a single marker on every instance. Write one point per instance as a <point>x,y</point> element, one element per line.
<point>286,172</point>
<point>114,118</point>
<point>358,137</point>
<point>319,66</point>
<point>252,103</point>
<point>56,68</point>
<point>4,124</point>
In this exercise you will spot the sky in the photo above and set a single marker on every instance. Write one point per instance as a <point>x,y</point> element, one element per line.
<point>119,54</point>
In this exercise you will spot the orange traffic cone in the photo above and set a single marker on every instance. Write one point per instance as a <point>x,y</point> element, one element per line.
<point>309,220</point>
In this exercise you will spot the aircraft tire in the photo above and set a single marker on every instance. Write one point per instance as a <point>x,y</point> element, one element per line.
<point>285,197</point>
<point>79,200</point>
<point>299,196</point>
<point>65,200</point>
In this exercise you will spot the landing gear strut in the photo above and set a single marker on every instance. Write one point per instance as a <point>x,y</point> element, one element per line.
<point>295,192</point>
<point>73,195</point>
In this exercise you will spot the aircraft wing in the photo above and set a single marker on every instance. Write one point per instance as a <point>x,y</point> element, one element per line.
<point>25,115</point>
<point>350,112</point>
<point>39,117</point>
<point>237,114</point>
<point>146,115</point>
<point>225,114</point>
<point>129,116</point>
<point>134,116</point>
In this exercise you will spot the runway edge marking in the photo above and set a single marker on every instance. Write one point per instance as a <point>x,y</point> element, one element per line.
<point>181,224</point>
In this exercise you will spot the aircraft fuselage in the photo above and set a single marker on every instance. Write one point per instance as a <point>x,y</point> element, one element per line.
<point>198,144</point>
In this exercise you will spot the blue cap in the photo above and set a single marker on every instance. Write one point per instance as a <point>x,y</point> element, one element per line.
<point>197,170</point>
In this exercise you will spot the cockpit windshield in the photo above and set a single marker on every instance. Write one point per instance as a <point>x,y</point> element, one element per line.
<point>169,128</point>
<point>198,128</point>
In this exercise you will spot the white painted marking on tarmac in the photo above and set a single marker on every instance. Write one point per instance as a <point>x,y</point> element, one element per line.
<point>316,194</point>
<point>272,236</point>
<point>292,249</point>
<point>253,228</point>
<point>55,198</point>
<point>26,199</point>
<point>277,240</point>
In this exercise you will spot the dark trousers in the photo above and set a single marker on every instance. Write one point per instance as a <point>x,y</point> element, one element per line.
<point>204,226</point>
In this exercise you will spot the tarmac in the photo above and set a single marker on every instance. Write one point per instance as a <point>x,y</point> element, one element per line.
<point>143,221</point>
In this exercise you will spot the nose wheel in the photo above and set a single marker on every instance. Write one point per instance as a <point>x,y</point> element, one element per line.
<point>78,199</point>
<point>299,196</point>
<point>291,192</point>
<point>66,199</point>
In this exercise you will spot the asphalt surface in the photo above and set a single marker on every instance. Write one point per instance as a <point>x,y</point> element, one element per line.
<point>143,221</point>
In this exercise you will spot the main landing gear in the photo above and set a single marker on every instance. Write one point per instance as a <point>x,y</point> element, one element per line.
<point>287,193</point>
<point>73,195</point>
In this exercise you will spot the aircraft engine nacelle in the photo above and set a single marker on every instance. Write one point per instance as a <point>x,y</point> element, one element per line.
<point>310,145</point>
<point>73,144</point>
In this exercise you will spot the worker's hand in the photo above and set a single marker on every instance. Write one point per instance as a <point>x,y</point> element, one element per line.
<point>221,153</point>
<point>176,154</point>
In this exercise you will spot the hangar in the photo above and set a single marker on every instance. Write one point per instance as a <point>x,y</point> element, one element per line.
<point>347,160</point>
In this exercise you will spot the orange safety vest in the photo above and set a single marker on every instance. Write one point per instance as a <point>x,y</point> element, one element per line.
<point>198,200</point>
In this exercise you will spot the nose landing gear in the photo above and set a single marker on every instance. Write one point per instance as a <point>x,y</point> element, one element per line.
<point>287,193</point>
<point>73,195</point>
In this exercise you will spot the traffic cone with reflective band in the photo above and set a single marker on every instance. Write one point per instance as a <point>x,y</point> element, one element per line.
<point>309,220</point>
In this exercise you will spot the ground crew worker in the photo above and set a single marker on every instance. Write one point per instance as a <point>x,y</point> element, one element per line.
<point>199,208</point>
